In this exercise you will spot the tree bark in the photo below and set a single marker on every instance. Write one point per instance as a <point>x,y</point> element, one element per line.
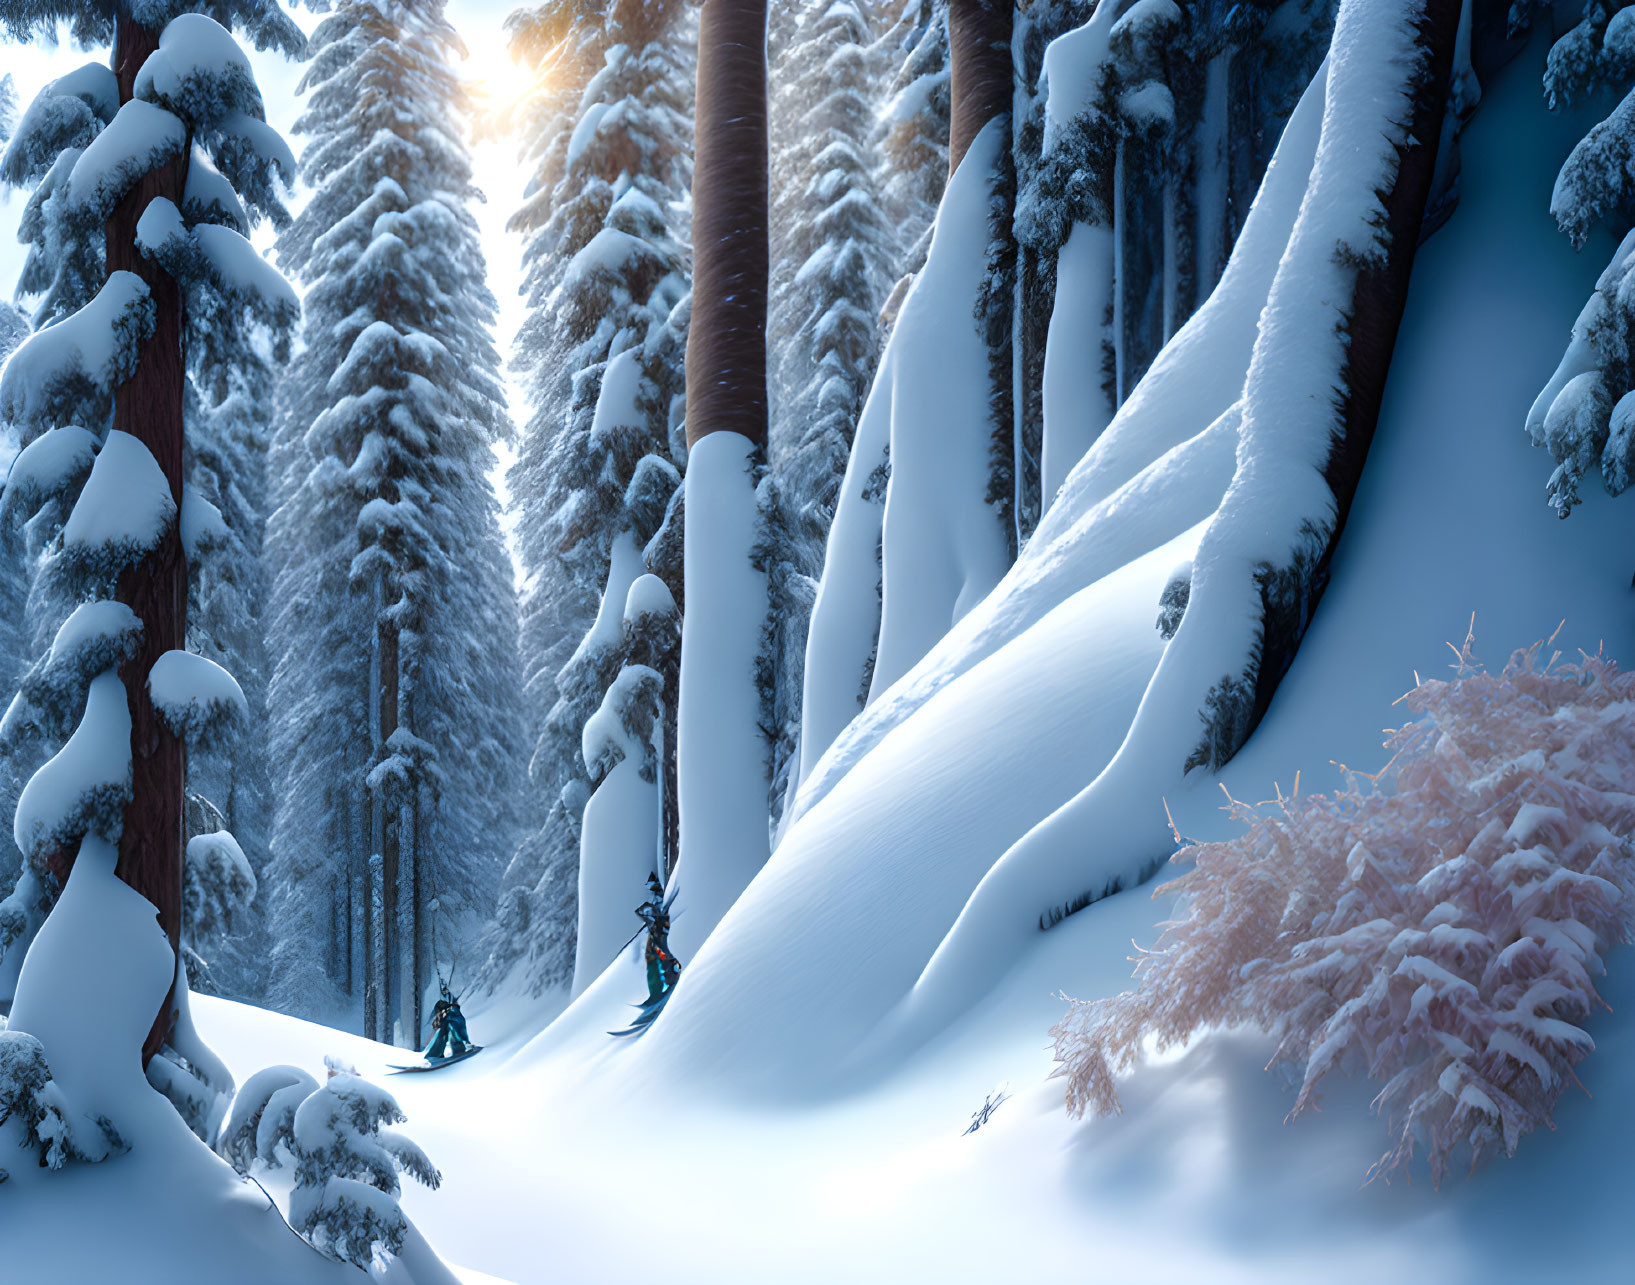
<point>1376,313</point>
<point>726,340</point>
<point>148,406</point>
<point>387,833</point>
<point>980,78</point>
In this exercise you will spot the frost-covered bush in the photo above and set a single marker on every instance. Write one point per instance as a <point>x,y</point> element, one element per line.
<point>346,1170</point>
<point>31,1098</point>
<point>1437,928</point>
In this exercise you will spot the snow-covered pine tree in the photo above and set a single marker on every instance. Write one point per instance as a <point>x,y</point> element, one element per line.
<point>911,138</point>
<point>147,173</point>
<point>396,738</point>
<point>597,477</point>
<point>15,564</point>
<point>346,1170</point>
<point>922,528</point>
<point>1585,415</point>
<point>832,258</point>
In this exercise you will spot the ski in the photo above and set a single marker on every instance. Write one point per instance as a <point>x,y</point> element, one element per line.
<point>437,1065</point>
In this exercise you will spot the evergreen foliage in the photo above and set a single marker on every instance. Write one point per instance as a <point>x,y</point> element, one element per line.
<point>832,257</point>
<point>193,102</point>
<point>395,733</point>
<point>346,1170</point>
<point>911,134</point>
<point>1438,927</point>
<point>599,464</point>
<point>31,1100</point>
<point>1585,414</point>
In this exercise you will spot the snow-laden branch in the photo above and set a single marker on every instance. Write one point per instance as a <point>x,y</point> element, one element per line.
<point>97,636</point>
<point>222,272</point>
<point>138,140</point>
<point>84,788</point>
<point>65,373</point>
<point>52,465</point>
<point>67,114</point>
<point>194,696</point>
<point>124,512</point>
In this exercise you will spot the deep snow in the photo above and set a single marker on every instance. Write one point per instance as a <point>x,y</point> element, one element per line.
<point>725,1145</point>
<point>810,1177</point>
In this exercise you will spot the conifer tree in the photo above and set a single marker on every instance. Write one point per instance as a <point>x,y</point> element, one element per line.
<point>147,172</point>
<point>832,258</point>
<point>14,559</point>
<point>1585,415</point>
<point>396,740</point>
<point>911,134</point>
<point>597,478</point>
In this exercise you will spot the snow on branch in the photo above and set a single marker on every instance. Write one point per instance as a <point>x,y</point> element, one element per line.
<point>123,513</point>
<point>199,73</point>
<point>208,197</point>
<point>96,637</point>
<point>196,698</point>
<point>32,1098</point>
<point>1437,929</point>
<point>65,373</point>
<point>86,786</point>
<point>67,114</point>
<point>226,278</point>
<point>622,726</point>
<point>52,465</point>
<point>141,138</point>
<point>261,1125</point>
<point>219,883</point>
<point>1585,415</point>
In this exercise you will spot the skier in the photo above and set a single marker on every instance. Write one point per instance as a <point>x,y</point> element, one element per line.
<point>662,968</point>
<point>449,1023</point>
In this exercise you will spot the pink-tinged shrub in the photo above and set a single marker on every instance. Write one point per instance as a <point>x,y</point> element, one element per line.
<point>1437,926</point>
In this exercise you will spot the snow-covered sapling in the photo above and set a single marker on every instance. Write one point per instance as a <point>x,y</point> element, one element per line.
<point>347,1167</point>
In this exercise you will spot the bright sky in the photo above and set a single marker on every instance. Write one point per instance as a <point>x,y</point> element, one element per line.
<point>480,23</point>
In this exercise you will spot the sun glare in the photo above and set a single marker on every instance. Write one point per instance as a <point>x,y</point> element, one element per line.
<point>500,81</point>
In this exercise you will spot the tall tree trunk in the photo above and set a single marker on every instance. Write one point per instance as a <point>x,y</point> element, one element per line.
<point>148,406</point>
<point>721,746</point>
<point>387,832</point>
<point>1377,305</point>
<point>980,79</point>
<point>726,338</point>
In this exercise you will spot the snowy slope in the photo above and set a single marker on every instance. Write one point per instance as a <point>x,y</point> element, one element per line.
<point>814,1177</point>
<point>578,1158</point>
<point>1450,519</point>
